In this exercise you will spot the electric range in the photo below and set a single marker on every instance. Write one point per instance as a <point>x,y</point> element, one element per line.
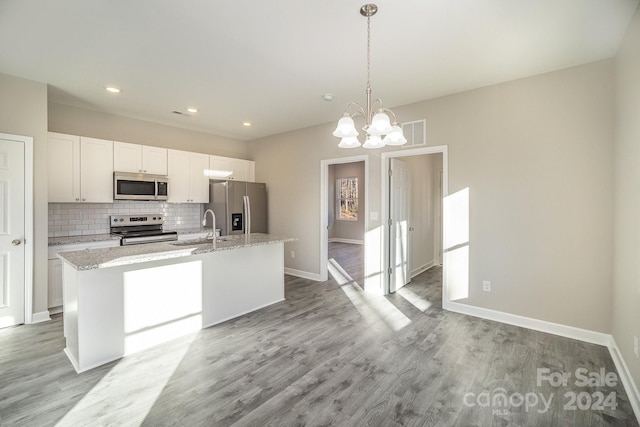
<point>145,228</point>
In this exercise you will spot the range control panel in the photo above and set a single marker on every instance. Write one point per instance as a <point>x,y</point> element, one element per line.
<point>145,219</point>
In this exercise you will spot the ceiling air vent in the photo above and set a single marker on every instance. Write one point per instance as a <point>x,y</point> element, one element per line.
<point>415,132</point>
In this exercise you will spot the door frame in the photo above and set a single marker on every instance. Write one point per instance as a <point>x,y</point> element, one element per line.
<point>324,199</point>
<point>386,197</point>
<point>28,221</point>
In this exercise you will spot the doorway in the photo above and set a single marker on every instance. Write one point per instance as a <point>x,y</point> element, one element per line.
<point>412,197</point>
<point>16,229</point>
<point>343,210</point>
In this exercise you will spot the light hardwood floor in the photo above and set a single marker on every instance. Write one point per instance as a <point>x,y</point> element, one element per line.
<point>328,355</point>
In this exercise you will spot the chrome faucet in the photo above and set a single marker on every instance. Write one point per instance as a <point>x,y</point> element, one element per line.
<point>204,223</point>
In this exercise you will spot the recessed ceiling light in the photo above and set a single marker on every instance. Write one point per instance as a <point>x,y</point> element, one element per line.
<point>246,124</point>
<point>192,110</point>
<point>328,97</point>
<point>112,89</point>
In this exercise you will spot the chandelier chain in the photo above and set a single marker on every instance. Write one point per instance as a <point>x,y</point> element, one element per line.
<point>368,52</point>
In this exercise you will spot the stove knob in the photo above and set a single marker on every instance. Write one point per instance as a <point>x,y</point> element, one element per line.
<point>121,219</point>
<point>154,218</point>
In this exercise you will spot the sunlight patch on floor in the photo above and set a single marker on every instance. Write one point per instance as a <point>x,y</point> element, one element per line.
<point>375,309</point>
<point>144,379</point>
<point>160,304</point>
<point>338,273</point>
<point>414,299</point>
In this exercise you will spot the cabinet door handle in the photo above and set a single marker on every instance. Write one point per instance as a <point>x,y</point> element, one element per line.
<point>77,199</point>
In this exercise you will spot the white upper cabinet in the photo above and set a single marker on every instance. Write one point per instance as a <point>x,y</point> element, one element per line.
<point>63,168</point>
<point>80,169</point>
<point>232,169</point>
<point>96,170</point>
<point>243,170</point>
<point>154,160</point>
<point>199,179</point>
<point>188,179</point>
<point>139,158</point>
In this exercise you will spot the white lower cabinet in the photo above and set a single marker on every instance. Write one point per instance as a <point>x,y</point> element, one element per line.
<point>54,273</point>
<point>55,283</point>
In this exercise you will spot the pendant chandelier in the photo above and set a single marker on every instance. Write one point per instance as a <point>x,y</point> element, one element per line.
<point>377,126</point>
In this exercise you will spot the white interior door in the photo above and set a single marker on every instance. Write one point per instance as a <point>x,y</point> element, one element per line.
<point>400,185</point>
<point>12,233</point>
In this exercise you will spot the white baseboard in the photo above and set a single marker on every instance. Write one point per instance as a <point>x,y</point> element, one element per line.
<point>42,316</point>
<point>572,332</point>
<point>529,323</point>
<point>55,310</point>
<point>235,316</point>
<point>627,380</point>
<point>341,240</point>
<point>303,274</point>
<point>422,268</point>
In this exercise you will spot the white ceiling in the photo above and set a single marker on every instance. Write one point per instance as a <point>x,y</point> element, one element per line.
<point>269,62</point>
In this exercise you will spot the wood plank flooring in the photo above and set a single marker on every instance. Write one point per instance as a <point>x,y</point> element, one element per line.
<point>328,355</point>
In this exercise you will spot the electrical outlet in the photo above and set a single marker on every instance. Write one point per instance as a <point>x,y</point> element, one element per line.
<point>486,286</point>
<point>293,254</point>
<point>635,346</point>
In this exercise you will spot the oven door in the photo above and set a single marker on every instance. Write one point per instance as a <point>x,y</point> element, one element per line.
<point>137,186</point>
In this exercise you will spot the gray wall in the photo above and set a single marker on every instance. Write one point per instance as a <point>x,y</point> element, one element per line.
<point>23,111</point>
<point>340,229</point>
<point>626,283</point>
<point>536,156</point>
<point>424,172</point>
<point>79,121</point>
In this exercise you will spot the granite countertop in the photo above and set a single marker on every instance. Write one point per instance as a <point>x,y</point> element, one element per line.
<point>91,259</point>
<point>70,240</point>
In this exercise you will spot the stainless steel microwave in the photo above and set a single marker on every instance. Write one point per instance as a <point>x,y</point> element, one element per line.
<point>140,186</point>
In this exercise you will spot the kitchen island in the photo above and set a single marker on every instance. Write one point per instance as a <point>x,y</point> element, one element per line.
<point>124,299</point>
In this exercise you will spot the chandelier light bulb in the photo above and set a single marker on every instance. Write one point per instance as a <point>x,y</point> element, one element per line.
<point>395,137</point>
<point>349,142</point>
<point>380,125</point>
<point>373,141</point>
<point>346,128</point>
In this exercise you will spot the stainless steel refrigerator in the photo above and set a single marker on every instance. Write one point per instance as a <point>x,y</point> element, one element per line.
<point>237,204</point>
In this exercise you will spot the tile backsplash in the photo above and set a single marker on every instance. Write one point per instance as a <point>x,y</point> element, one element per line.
<point>73,219</point>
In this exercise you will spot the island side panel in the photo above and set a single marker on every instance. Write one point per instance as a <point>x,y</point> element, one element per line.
<point>242,280</point>
<point>100,317</point>
<point>70,314</point>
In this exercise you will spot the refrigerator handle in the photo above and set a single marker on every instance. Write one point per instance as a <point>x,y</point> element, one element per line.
<point>247,213</point>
